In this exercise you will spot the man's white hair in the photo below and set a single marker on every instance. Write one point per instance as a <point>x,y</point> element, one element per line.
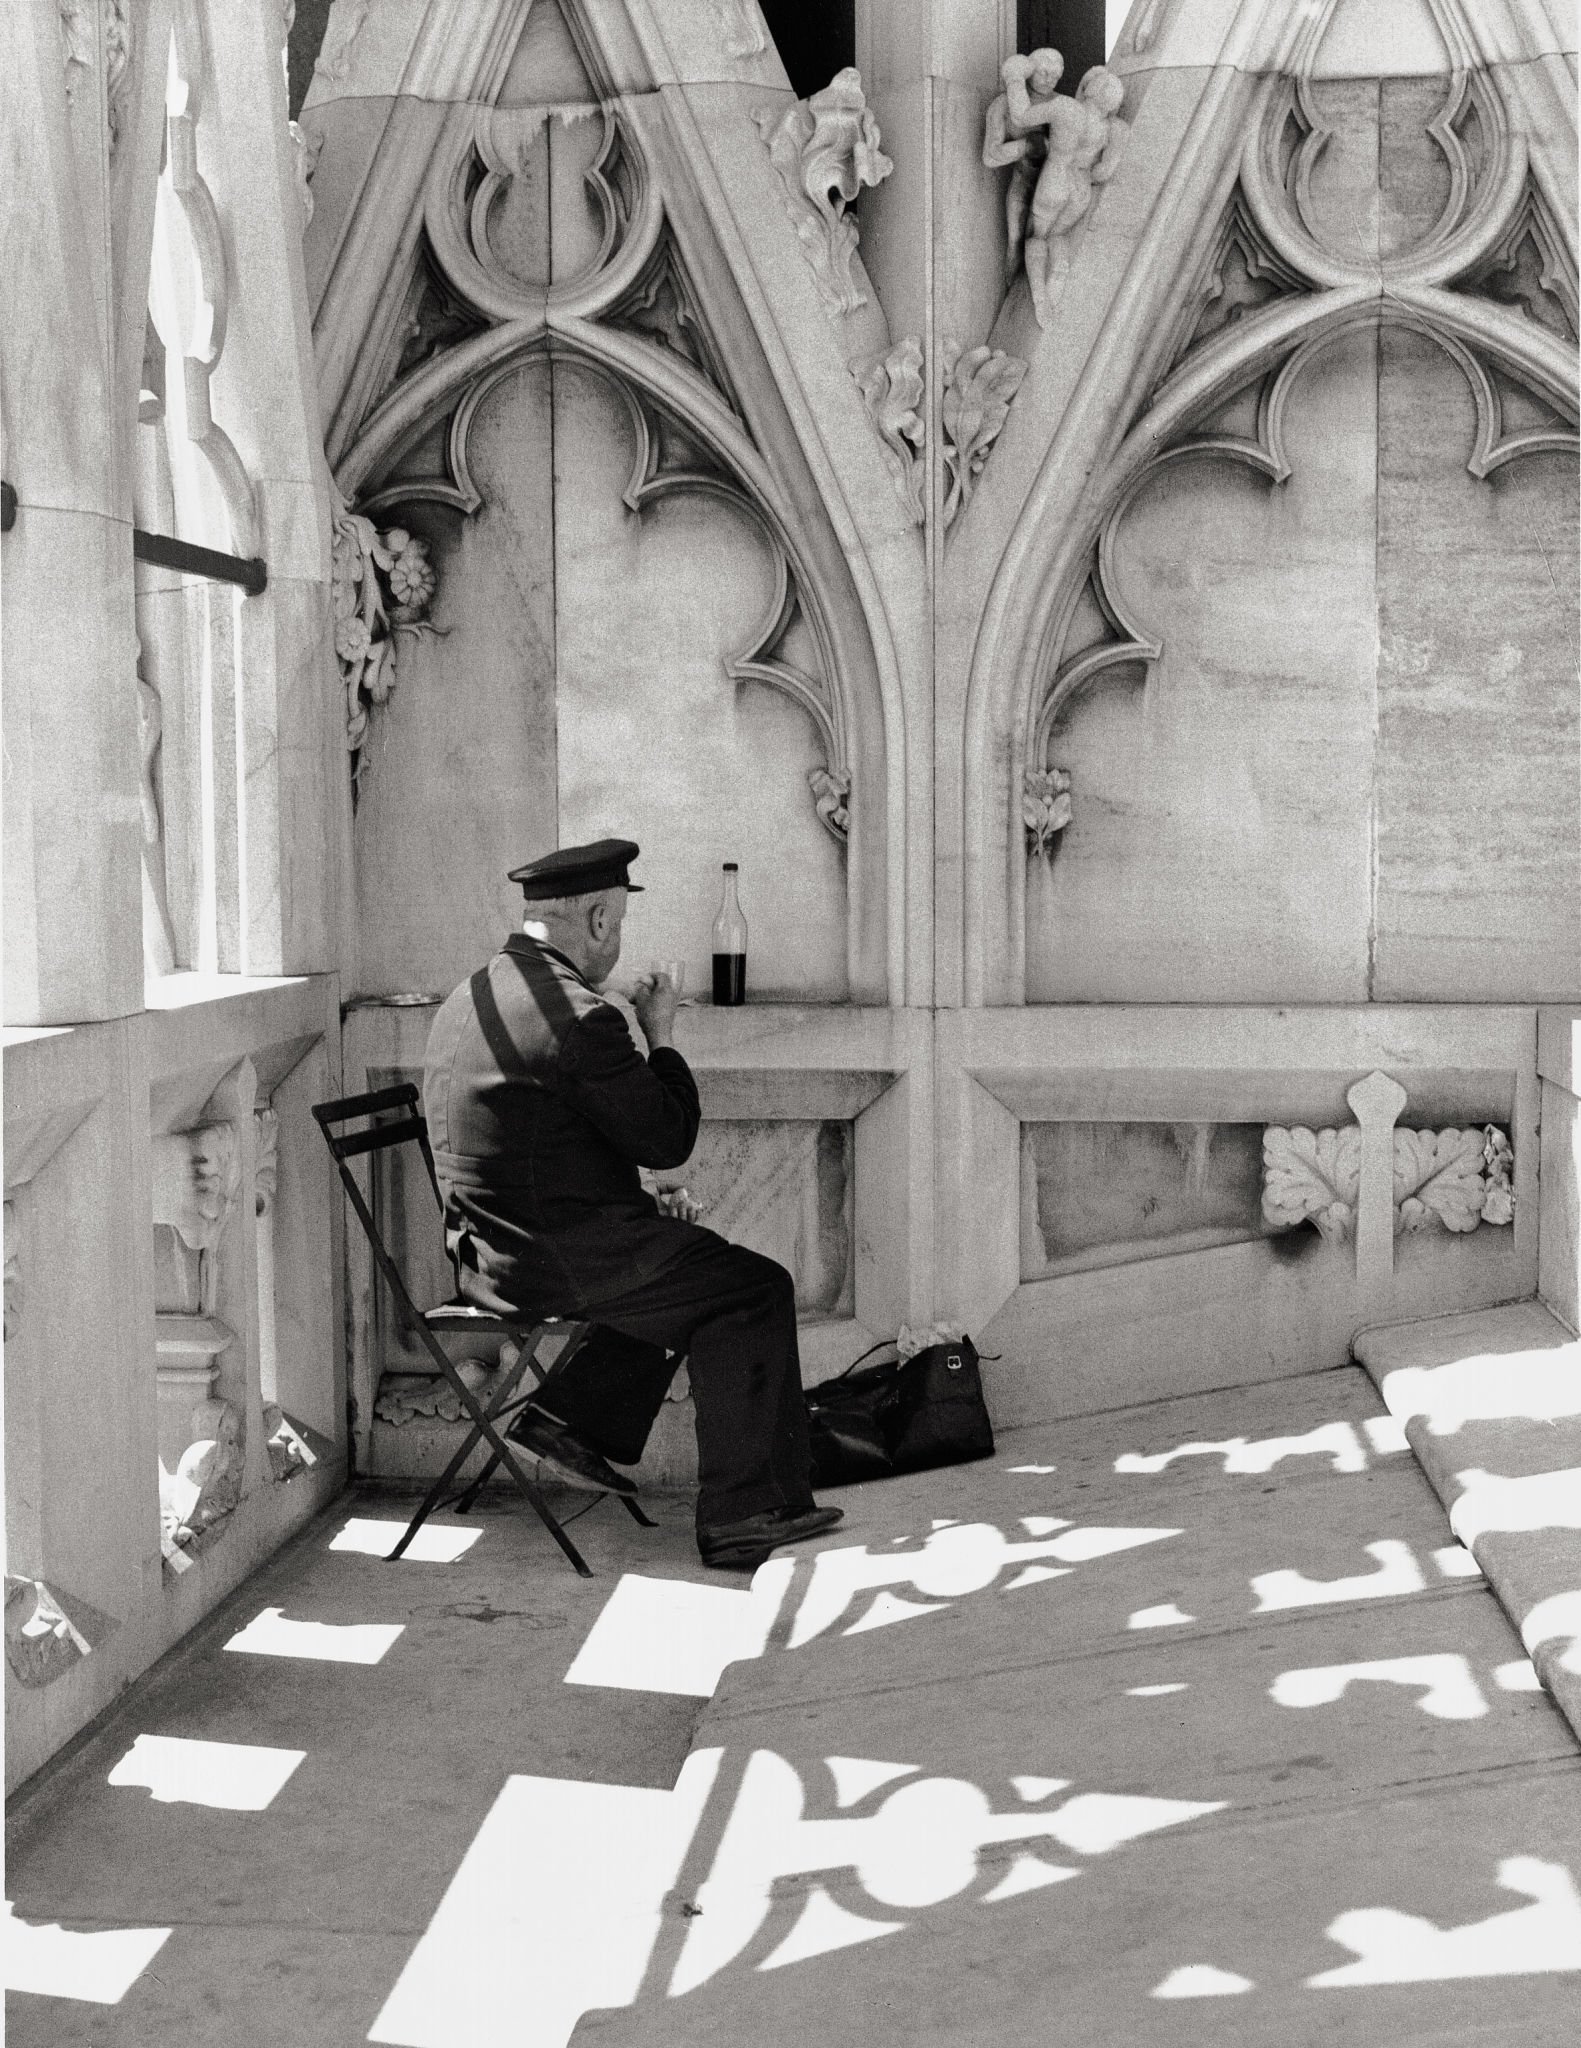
<point>542,909</point>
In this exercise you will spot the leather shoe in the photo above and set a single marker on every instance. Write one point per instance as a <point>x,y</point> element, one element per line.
<point>742,1546</point>
<point>563,1457</point>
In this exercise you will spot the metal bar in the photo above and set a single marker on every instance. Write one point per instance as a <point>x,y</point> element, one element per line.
<point>7,507</point>
<point>165,552</point>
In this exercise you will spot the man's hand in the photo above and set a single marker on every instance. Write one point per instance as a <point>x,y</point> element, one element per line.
<point>678,1203</point>
<point>654,1001</point>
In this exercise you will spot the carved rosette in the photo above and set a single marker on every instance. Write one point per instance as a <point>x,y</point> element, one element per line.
<point>1456,1179</point>
<point>1045,808</point>
<point>382,585</point>
<point>892,390</point>
<point>979,384</point>
<point>826,149</point>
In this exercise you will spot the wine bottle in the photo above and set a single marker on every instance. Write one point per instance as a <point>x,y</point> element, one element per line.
<point>730,946</point>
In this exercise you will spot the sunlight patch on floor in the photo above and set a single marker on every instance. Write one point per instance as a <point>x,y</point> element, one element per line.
<point>434,1543</point>
<point>1391,1947</point>
<point>675,1636</point>
<point>270,1634</point>
<point>237,1777</point>
<point>99,1966</point>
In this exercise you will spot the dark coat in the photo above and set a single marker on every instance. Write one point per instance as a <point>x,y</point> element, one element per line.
<point>540,1111</point>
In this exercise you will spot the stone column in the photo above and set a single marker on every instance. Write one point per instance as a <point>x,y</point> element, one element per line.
<point>73,841</point>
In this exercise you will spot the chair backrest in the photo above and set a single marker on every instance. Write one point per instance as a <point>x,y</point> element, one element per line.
<point>403,1125</point>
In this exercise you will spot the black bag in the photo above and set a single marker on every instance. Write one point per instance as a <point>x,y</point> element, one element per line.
<point>909,1415</point>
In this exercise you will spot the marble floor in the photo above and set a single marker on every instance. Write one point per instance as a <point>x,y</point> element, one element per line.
<point>1185,1724</point>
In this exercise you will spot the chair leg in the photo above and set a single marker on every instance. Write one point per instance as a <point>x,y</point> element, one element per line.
<point>434,1496</point>
<point>476,1486</point>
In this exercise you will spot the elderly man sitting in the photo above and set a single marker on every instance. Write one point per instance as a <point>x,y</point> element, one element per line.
<point>541,1111</point>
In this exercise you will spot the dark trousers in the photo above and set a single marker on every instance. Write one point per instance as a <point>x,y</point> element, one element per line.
<point>733,1312</point>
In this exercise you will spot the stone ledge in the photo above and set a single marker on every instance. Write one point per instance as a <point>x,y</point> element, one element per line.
<point>1491,1405</point>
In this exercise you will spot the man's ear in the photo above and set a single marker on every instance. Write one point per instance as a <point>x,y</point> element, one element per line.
<point>598,918</point>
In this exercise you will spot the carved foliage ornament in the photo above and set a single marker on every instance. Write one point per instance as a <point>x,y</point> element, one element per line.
<point>891,387</point>
<point>1454,1178</point>
<point>1045,808</point>
<point>382,586</point>
<point>826,149</point>
<point>979,384</point>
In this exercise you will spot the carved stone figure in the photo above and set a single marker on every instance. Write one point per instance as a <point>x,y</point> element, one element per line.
<point>1058,149</point>
<point>978,387</point>
<point>196,1178</point>
<point>891,387</point>
<point>826,149</point>
<point>1045,807</point>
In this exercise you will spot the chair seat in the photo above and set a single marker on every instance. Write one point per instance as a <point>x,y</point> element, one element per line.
<point>456,1316</point>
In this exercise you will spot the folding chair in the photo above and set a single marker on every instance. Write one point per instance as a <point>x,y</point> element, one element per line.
<point>403,1124</point>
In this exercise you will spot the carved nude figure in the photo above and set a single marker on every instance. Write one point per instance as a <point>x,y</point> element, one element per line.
<point>1059,149</point>
<point>1009,140</point>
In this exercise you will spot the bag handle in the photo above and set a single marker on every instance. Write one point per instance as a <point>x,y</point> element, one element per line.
<point>883,1344</point>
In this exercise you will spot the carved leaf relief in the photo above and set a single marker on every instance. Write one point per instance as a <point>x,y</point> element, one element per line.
<point>826,148</point>
<point>1312,1176</point>
<point>891,388</point>
<point>979,384</point>
<point>1458,1178</point>
<point>1454,1178</point>
<point>1045,807</point>
<point>382,585</point>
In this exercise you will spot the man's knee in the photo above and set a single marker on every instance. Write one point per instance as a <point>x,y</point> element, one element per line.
<point>768,1276</point>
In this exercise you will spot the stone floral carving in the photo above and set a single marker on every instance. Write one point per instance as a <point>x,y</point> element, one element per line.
<point>405,1396</point>
<point>1045,807</point>
<point>289,1451</point>
<point>1312,1176</point>
<point>79,37</point>
<point>41,1639</point>
<point>1456,1178</point>
<point>979,384</point>
<point>741,25</point>
<point>831,792</point>
<point>214,1463</point>
<point>306,144</point>
<point>891,388</point>
<point>382,586</point>
<point>13,1275</point>
<point>826,148</point>
<point>1058,149</point>
<point>266,1159</point>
